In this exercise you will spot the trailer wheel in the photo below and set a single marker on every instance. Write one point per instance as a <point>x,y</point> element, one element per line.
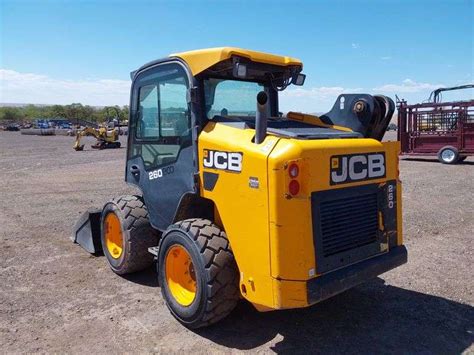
<point>448,155</point>
<point>197,272</point>
<point>126,234</point>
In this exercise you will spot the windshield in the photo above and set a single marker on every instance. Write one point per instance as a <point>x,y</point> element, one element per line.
<point>231,97</point>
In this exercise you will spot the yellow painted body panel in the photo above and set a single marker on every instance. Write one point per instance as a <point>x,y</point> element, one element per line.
<point>293,257</point>
<point>270,234</point>
<point>242,210</point>
<point>202,59</point>
<point>289,294</point>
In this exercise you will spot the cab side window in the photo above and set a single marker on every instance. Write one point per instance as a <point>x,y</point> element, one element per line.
<point>162,115</point>
<point>148,124</point>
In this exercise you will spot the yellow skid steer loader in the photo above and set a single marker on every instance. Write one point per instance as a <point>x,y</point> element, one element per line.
<point>239,201</point>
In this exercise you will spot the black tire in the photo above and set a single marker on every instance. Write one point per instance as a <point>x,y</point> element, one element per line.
<point>448,155</point>
<point>137,234</point>
<point>462,158</point>
<point>216,274</point>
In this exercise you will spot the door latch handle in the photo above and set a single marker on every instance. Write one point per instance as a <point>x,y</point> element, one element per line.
<point>135,170</point>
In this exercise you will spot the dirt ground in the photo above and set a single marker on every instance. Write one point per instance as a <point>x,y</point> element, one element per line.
<point>54,297</point>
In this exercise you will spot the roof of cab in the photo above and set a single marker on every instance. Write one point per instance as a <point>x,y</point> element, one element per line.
<point>202,59</point>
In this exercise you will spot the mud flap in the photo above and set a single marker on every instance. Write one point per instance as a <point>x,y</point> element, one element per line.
<point>86,231</point>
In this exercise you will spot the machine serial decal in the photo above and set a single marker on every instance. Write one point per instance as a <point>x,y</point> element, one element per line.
<point>356,167</point>
<point>390,196</point>
<point>229,161</point>
<point>155,174</point>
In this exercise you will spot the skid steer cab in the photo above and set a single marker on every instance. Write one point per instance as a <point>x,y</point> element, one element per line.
<point>239,201</point>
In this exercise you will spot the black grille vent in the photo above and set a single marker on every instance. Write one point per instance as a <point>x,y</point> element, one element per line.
<point>348,223</point>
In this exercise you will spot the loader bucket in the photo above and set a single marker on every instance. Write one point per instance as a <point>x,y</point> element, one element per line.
<point>86,231</point>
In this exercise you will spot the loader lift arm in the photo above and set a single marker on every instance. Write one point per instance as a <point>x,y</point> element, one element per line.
<point>366,114</point>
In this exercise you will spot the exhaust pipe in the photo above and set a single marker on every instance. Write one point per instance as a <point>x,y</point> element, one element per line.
<point>261,117</point>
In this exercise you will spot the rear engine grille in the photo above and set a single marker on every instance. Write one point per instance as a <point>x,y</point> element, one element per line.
<point>348,223</point>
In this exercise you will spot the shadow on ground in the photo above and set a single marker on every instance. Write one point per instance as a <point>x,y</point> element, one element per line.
<point>431,160</point>
<point>371,318</point>
<point>147,277</point>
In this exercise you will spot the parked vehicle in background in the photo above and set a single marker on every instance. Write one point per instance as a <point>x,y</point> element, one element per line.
<point>444,129</point>
<point>12,127</point>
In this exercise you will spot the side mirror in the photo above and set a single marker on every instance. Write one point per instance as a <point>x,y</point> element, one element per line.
<point>298,80</point>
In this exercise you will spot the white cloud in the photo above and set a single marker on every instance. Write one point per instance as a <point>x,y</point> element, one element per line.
<point>316,99</point>
<point>16,87</point>
<point>386,57</point>
<point>321,99</point>
<point>407,86</point>
<point>355,45</point>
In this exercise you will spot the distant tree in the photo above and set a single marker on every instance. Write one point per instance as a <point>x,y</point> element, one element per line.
<point>31,111</point>
<point>58,111</point>
<point>87,112</point>
<point>125,113</point>
<point>11,114</point>
<point>72,112</point>
<point>109,113</point>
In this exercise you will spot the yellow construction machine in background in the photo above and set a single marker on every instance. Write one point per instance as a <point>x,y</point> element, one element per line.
<point>106,138</point>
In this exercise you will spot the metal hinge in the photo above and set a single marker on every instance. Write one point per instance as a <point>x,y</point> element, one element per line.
<point>197,181</point>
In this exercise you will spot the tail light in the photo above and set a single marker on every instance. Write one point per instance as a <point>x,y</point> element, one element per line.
<point>293,170</point>
<point>294,187</point>
<point>293,184</point>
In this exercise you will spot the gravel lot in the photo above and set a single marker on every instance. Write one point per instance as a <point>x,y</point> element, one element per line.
<point>54,297</point>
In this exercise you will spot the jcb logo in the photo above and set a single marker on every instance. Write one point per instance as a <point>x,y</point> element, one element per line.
<point>356,167</point>
<point>231,161</point>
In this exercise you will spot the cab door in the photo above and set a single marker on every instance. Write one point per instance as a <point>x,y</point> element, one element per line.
<point>161,153</point>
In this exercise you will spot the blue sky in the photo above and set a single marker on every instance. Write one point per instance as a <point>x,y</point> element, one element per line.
<point>83,51</point>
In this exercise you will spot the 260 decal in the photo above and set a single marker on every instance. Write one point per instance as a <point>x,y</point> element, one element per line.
<point>356,167</point>
<point>229,161</point>
<point>159,173</point>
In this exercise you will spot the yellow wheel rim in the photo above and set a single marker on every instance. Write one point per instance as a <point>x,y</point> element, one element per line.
<point>113,235</point>
<point>180,275</point>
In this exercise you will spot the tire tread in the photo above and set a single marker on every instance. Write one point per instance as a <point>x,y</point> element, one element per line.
<point>142,234</point>
<point>220,266</point>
